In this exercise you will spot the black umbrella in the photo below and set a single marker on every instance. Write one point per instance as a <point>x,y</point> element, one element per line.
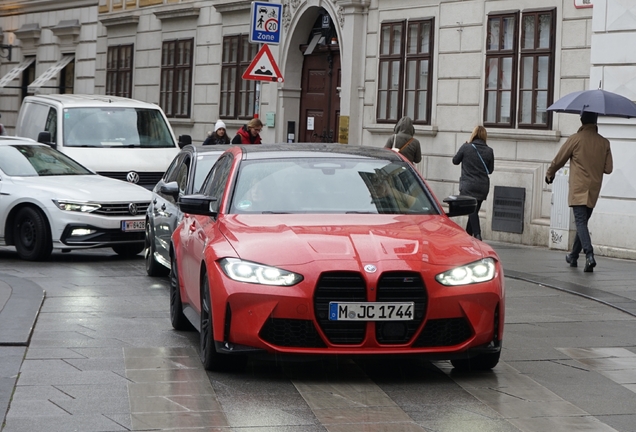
<point>597,101</point>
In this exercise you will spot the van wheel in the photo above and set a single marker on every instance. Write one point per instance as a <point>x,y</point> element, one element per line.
<point>128,250</point>
<point>32,235</point>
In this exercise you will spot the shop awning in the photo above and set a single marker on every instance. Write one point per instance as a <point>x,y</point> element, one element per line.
<point>16,71</point>
<point>50,73</point>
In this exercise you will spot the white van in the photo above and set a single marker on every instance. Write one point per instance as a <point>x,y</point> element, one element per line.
<point>116,137</point>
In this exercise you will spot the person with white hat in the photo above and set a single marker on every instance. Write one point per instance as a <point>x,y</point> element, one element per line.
<point>219,136</point>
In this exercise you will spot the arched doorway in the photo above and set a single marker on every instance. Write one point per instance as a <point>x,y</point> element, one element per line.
<point>320,83</point>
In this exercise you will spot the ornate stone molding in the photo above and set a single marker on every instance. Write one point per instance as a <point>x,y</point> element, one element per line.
<point>119,19</point>
<point>28,32</point>
<point>223,6</point>
<point>67,31</point>
<point>178,11</point>
<point>353,6</point>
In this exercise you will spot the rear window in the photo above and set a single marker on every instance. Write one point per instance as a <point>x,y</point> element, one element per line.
<point>116,127</point>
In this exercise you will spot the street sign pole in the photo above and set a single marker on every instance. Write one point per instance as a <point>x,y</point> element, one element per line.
<point>257,100</point>
<point>264,29</point>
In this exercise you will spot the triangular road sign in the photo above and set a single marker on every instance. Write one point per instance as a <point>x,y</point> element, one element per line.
<point>263,67</point>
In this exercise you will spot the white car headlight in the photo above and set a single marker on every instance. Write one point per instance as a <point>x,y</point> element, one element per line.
<point>245,271</point>
<point>78,206</point>
<point>479,271</point>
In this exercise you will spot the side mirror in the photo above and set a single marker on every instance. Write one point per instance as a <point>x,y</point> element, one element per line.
<point>460,205</point>
<point>184,140</point>
<point>198,205</point>
<point>170,188</point>
<point>45,138</point>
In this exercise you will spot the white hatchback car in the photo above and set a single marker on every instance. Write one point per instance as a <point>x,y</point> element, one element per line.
<point>48,200</point>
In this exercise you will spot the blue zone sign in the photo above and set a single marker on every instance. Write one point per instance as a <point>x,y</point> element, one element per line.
<point>265,23</point>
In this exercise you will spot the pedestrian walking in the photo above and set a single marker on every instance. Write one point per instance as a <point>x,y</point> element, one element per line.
<point>478,162</point>
<point>249,133</point>
<point>219,136</point>
<point>590,157</point>
<point>404,142</point>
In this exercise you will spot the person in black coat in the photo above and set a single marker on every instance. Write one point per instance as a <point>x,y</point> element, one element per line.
<point>478,162</point>
<point>219,136</point>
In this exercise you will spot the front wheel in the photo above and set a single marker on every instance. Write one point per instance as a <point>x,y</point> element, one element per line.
<point>209,356</point>
<point>32,235</point>
<point>128,250</point>
<point>153,268</point>
<point>177,317</point>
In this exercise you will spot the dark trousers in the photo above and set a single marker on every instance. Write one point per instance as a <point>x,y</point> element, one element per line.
<point>582,240</point>
<point>472,227</point>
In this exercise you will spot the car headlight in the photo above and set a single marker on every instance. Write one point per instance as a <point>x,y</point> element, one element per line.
<point>479,271</point>
<point>78,206</point>
<point>245,271</point>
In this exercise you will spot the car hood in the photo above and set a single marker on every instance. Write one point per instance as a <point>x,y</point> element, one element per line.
<point>123,159</point>
<point>93,188</point>
<point>297,239</point>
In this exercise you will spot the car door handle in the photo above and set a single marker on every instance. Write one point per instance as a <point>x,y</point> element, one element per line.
<point>154,201</point>
<point>163,207</point>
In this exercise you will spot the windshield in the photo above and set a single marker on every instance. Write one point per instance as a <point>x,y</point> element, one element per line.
<point>34,160</point>
<point>115,127</point>
<point>317,185</point>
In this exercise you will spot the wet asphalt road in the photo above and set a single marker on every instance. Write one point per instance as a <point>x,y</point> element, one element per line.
<point>103,357</point>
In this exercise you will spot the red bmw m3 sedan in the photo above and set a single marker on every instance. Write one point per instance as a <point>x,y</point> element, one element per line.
<point>329,249</point>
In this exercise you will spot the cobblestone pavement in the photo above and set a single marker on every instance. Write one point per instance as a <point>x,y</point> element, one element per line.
<point>102,356</point>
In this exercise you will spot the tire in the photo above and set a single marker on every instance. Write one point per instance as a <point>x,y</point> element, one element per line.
<point>153,268</point>
<point>212,360</point>
<point>177,318</point>
<point>32,235</point>
<point>207,350</point>
<point>128,250</point>
<point>481,362</point>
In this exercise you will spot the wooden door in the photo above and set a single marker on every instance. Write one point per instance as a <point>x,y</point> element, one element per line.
<point>320,99</point>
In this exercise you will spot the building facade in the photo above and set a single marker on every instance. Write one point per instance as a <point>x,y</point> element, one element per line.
<point>352,68</point>
<point>52,50</point>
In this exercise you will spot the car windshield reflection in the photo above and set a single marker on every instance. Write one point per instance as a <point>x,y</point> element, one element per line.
<point>315,185</point>
<point>36,160</point>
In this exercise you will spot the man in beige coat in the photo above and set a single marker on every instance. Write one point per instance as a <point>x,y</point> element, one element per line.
<point>590,157</point>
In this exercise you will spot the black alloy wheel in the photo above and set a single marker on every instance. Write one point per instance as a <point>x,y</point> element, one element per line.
<point>177,317</point>
<point>32,235</point>
<point>153,267</point>
<point>208,354</point>
<point>128,250</point>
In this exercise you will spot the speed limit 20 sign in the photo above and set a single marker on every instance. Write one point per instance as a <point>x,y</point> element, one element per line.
<point>265,23</point>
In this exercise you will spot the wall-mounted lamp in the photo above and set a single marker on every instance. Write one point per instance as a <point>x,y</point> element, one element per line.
<point>5,49</point>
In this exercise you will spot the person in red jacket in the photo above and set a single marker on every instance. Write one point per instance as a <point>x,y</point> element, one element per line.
<point>249,133</point>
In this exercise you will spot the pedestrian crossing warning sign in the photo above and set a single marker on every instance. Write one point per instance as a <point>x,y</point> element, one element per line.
<point>263,67</point>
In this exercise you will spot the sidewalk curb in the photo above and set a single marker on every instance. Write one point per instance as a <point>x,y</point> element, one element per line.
<point>626,305</point>
<point>18,316</point>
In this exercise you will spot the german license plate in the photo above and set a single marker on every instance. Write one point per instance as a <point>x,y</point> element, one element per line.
<point>370,311</point>
<point>138,225</point>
